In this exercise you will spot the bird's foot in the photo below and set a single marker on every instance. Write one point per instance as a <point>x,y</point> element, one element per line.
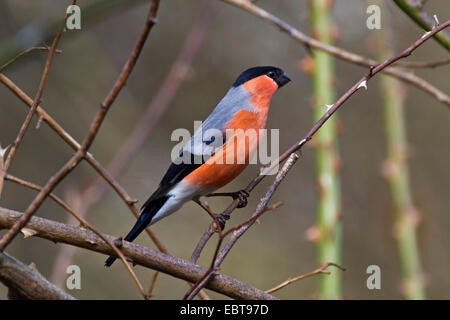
<point>242,195</point>
<point>222,219</point>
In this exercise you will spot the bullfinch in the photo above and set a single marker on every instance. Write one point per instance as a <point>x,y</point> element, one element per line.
<point>204,164</point>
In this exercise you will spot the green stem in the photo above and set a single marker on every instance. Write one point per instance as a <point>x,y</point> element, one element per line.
<point>419,16</point>
<point>396,173</point>
<point>326,154</point>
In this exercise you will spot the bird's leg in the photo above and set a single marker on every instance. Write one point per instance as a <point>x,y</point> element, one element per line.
<point>242,195</point>
<point>205,206</point>
<point>220,218</point>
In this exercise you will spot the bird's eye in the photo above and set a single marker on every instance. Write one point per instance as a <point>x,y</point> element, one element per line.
<point>271,74</point>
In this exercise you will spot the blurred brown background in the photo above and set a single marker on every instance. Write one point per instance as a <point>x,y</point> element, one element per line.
<point>277,248</point>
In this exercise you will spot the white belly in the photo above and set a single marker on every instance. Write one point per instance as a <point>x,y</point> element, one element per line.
<point>180,194</point>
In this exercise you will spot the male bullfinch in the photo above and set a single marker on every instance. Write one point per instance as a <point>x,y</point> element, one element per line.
<point>192,174</point>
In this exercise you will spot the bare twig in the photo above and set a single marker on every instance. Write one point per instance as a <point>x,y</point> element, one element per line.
<point>208,277</point>
<point>241,228</point>
<point>322,269</point>
<point>76,146</point>
<point>362,83</point>
<point>2,164</point>
<point>214,227</point>
<point>95,189</point>
<point>83,223</point>
<point>419,16</point>
<point>195,289</point>
<point>93,12</point>
<point>168,90</point>
<point>424,64</point>
<point>208,210</point>
<point>30,185</point>
<point>93,130</point>
<point>179,268</point>
<point>28,282</point>
<point>25,52</point>
<point>338,52</point>
<point>152,284</point>
<point>36,101</point>
<point>156,108</point>
<point>202,242</point>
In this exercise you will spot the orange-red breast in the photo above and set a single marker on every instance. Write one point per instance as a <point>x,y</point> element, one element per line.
<point>211,160</point>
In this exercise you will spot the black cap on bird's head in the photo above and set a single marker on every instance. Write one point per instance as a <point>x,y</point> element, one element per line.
<point>276,74</point>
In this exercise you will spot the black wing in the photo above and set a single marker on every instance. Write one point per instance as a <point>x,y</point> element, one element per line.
<point>174,174</point>
<point>178,172</point>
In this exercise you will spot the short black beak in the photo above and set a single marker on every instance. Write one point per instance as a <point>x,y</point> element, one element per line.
<point>283,79</point>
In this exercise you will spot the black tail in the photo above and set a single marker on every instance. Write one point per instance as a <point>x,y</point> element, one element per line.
<point>149,211</point>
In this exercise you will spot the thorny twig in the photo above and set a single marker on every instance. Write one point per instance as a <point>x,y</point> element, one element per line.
<point>417,13</point>
<point>260,209</point>
<point>338,52</point>
<point>321,269</point>
<point>362,83</point>
<point>93,130</point>
<point>82,150</point>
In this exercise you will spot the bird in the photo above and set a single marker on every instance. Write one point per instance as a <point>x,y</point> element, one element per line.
<point>202,166</point>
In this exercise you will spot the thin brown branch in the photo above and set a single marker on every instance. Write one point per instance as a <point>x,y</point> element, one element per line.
<point>152,284</point>
<point>423,64</point>
<point>179,268</point>
<point>240,229</point>
<point>195,289</point>
<point>213,228</point>
<point>76,146</point>
<point>2,164</point>
<point>36,101</point>
<point>93,191</point>
<point>202,242</point>
<point>83,223</point>
<point>176,76</point>
<point>207,208</point>
<point>362,83</point>
<point>338,52</point>
<point>165,95</point>
<point>260,209</point>
<point>30,185</point>
<point>26,282</point>
<point>93,130</point>
<point>25,52</point>
<point>322,269</point>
